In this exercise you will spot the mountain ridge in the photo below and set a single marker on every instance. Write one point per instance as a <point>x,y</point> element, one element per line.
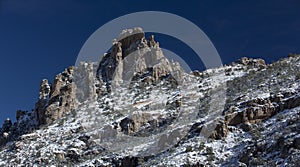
<point>91,105</point>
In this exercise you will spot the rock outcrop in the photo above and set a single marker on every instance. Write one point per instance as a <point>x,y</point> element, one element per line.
<point>57,100</point>
<point>220,132</point>
<point>130,55</point>
<point>5,131</point>
<point>85,82</point>
<point>259,63</point>
<point>42,103</point>
<point>257,110</point>
<point>129,58</point>
<point>6,125</point>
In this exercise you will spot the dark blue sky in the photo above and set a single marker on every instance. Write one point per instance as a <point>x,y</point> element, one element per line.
<point>38,39</point>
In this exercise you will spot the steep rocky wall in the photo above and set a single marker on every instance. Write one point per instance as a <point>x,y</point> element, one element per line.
<point>57,99</point>
<point>132,42</point>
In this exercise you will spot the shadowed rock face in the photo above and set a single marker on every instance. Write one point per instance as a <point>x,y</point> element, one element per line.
<point>6,125</point>
<point>131,39</point>
<point>5,131</point>
<point>40,106</point>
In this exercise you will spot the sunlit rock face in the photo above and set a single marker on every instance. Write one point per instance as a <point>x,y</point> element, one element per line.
<point>133,53</point>
<point>57,99</point>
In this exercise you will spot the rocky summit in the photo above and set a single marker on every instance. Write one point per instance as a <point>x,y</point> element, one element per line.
<point>137,108</point>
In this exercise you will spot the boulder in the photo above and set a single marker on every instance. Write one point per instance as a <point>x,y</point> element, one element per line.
<point>18,145</point>
<point>60,155</point>
<point>220,131</point>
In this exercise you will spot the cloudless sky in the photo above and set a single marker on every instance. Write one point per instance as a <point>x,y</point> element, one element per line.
<point>39,38</point>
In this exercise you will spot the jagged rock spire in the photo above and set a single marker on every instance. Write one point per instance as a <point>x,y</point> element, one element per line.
<point>42,101</point>
<point>56,100</point>
<point>132,54</point>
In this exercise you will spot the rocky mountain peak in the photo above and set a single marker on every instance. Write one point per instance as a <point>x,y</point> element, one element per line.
<point>130,55</point>
<point>131,107</point>
<point>133,54</point>
<point>129,37</point>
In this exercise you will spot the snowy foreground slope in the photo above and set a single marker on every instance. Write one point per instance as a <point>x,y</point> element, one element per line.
<point>243,114</point>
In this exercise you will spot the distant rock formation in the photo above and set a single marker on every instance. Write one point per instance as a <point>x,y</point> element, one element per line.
<point>258,63</point>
